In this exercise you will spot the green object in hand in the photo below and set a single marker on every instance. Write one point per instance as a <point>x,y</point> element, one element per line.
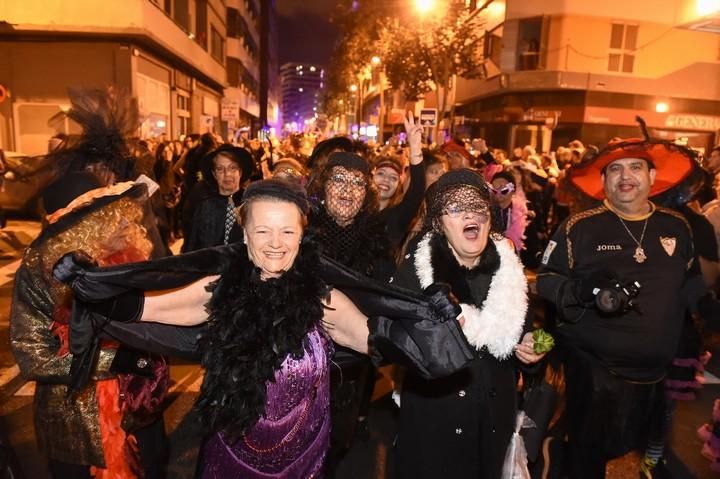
<point>544,342</point>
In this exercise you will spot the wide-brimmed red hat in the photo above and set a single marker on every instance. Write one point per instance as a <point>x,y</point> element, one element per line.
<point>673,164</point>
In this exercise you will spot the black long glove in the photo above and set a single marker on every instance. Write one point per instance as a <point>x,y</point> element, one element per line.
<point>445,305</point>
<point>433,347</point>
<point>126,306</point>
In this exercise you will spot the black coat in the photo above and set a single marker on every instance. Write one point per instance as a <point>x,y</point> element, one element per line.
<point>208,221</point>
<point>458,426</point>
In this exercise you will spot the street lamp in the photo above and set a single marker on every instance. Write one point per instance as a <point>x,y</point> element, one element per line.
<point>424,6</point>
<point>661,107</point>
<point>353,88</point>
<point>375,60</point>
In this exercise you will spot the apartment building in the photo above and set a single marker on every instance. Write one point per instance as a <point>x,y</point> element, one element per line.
<point>301,84</point>
<point>559,70</point>
<point>179,58</point>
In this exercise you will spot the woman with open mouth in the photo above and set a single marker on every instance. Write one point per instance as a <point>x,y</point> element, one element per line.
<point>460,426</point>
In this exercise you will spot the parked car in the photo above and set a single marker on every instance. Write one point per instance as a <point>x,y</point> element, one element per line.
<point>22,182</point>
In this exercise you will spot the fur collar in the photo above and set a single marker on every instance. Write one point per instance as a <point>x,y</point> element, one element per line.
<point>498,323</point>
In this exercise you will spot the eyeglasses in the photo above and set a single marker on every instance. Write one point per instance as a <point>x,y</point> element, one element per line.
<point>459,212</point>
<point>505,190</point>
<point>342,180</point>
<point>226,170</point>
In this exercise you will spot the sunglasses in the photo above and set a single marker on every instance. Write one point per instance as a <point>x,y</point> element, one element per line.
<point>505,190</point>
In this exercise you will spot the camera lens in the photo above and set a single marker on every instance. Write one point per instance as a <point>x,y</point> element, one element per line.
<point>608,301</point>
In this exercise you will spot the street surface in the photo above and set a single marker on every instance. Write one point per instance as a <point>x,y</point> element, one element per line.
<point>368,459</point>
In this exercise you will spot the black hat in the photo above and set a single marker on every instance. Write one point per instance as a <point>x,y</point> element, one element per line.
<point>461,177</point>
<point>239,155</point>
<point>350,161</point>
<point>284,190</point>
<point>61,192</point>
<point>325,147</point>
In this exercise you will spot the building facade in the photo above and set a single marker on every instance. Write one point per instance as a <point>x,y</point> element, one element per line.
<point>301,85</point>
<point>560,70</point>
<point>174,56</point>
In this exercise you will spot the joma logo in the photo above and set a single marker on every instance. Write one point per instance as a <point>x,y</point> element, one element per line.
<point>609,247</point>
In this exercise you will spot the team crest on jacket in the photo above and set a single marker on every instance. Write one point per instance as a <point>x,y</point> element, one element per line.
<point>668,244</point>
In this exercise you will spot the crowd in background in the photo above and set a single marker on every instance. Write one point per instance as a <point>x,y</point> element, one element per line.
<point>368,211</point>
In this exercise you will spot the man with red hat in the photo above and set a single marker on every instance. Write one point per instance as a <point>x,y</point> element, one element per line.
<point>617,275</point>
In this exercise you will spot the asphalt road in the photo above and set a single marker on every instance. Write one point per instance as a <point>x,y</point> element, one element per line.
<point>370,458</point>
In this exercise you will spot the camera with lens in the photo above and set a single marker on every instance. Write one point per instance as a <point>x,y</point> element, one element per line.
<point>618,297</point>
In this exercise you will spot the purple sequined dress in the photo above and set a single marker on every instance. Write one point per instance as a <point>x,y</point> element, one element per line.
<point>291,440</point>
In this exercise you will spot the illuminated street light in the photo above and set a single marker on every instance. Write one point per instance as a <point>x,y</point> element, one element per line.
<point>375,60</point>
<point>424,6</point>
<point>353,88</point>
<point>706,7</point>
<point>661,107</point>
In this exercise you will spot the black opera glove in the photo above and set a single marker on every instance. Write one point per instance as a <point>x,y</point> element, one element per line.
<point>445,305</point>
<point>72,267</point>
<point>126,307</point>
<point>430,348</point>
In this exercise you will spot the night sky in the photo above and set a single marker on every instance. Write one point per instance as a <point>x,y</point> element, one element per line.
<point>306,34</point>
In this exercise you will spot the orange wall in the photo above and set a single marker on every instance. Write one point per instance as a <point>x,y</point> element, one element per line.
<point>581,44</point>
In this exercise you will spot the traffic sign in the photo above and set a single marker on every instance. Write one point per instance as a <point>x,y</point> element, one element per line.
<point>229,109</point>
<point>428,117</point>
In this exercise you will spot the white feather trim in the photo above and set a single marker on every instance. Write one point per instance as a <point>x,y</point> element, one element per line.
<point>499,324</point>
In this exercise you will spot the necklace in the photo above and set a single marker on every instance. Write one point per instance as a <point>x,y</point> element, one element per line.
<point>639,255</point>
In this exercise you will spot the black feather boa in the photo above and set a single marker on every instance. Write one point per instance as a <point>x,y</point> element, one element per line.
<point>253,326</point>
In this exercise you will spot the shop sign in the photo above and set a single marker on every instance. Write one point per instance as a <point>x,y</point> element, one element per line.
<point>693,122</point>
<point>542,115</point>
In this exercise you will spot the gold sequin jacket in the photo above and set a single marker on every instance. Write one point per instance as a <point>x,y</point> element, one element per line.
<point>67,427</point>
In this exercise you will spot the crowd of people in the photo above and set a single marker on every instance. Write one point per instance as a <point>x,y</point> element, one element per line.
<point>305,266</point>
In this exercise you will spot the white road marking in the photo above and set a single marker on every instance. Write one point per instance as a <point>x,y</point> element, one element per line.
<point>710,378</point>
<point>7,272</point>
<point>195,386</point>
<point>28,389</point>
<point>180,382</point>
<point>8,374</point>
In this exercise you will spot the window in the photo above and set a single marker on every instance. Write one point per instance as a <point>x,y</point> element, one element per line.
<point>233,23</point>
<point>492,45</point>
<point>183,113</point>
<point>240,77</point>
<point>528,45</point>
<point>201,23</point>
<point>217,45</point>
<point>623,42</point>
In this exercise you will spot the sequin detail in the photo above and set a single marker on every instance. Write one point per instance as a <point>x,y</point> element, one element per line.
<point>292,438</point>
